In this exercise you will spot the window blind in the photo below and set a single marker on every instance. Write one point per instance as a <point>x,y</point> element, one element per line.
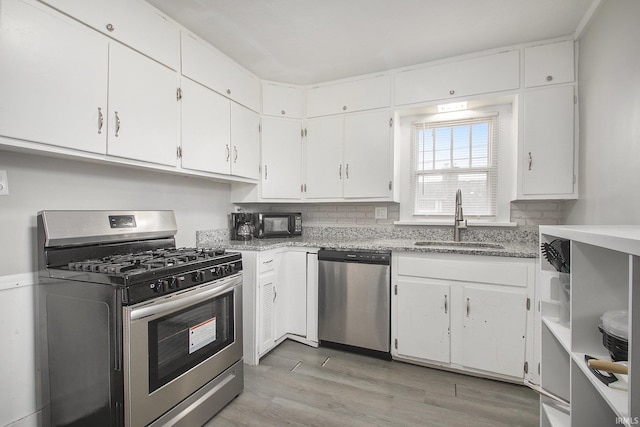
<point>451,155</point>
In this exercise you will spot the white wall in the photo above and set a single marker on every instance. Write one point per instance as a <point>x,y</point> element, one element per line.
<point>609,89</point>
<point>38,183</point>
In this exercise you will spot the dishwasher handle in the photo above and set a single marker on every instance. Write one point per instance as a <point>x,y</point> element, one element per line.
<point>362,257</point>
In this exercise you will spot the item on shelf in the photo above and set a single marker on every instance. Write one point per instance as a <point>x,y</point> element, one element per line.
<point>619,382</point>
<point>615,333</point>
<point>558,253</point>
<point>605,365</point>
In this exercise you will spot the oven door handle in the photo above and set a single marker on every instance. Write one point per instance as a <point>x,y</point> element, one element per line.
<point>178,302</point>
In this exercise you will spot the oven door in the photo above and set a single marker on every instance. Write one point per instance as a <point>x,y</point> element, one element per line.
<point>174,345</point>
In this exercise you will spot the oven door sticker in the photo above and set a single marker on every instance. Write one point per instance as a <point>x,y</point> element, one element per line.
<point>202,335</point>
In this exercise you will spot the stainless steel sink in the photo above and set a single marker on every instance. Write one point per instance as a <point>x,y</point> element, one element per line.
<point>470,245</point>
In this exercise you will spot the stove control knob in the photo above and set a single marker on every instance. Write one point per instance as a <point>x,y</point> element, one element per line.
<point>171,283</point>
<point>157,287</point>
<point>198,276</point>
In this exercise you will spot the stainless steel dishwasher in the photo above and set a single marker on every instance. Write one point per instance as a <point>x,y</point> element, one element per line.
<point>354,293</point>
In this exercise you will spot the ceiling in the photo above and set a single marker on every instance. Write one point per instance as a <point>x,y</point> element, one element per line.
<point>310,41</point>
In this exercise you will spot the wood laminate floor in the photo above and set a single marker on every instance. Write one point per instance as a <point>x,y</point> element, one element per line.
<point>299,385</point>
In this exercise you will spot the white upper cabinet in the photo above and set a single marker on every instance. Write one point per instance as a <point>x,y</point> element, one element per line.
<point>547,161</point>
<point>205,64</point>
<point>485,74</point>
<point>54,78</point>
<point>245,142</point>
<point>549,64</point>
<point>358,95</point>
<point>282,101</point>
<point>281,158</point>
<point>349,156</point>
<point>132,22</point>
<point>206,129</point>
<point>143,108</point>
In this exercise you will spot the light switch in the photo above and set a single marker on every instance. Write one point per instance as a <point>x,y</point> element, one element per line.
<point>4,184</point>
<point>381,212</point>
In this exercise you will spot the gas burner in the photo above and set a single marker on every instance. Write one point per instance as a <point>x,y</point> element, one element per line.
<point>135,263</point>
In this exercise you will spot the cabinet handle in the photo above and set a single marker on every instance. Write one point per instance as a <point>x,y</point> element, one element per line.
<point>228,91</point>
<point>117,123</point>
<point>235,154</point>
<point>228,151</point>
<point>110,27</point>
<point>446,305</point>
<point>347,171</point>
<point>269,261</point>
<point>344,108</point>
<point>530,160</point>
<point>100,120</point>
<point>452,92</point>
<point>275,294</point>
<point>265,174</point>
<point>283,112</point>
<point>340,172</point>
<point>468,307</point>
<point>549,78</point>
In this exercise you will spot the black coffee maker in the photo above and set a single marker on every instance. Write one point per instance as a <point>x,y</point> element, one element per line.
<point>241,226</point>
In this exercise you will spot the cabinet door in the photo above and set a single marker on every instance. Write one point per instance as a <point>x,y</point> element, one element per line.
<point>143,109</point>
<point>134,23</point>
<point>282,101</point>
<point>367,155</point>
<point>54,78</point>
<point>324,154</point>
<point>547,166</point>
<point>493,331</point>
<point>245,142</point>
<point>206,129</point>
<point>292,285</point>
<point>423,320</point>
<point>281,158</point>
<point>549,64</point>
<point>266,316</point>
<point>210,67</point>
<point>358,95</point>
<point>491,73</point>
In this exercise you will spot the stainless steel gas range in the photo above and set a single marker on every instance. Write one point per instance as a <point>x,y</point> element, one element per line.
<point>132,330</point>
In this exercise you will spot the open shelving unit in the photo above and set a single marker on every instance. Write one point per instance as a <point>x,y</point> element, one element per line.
<point>604,275</point>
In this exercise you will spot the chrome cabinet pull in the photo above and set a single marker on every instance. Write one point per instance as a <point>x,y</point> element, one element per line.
<point>275,294</point>
<point>110,27</point>
<point>347,171</point>
<point>530,160</point>
<point>468,307</point>
<point>100,120</point>
<point>446,305</point>
<point>549,78</point>
<point>340,172</point>
<point>228,151</point>
<point>117,123</point>
<point>452,92</point>
<point>235,154</point>
<point>265,172</point>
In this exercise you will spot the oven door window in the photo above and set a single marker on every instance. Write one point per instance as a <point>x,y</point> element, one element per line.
<point>182,340</point>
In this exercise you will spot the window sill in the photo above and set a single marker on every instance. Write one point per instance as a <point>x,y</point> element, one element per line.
<point>450,223</point>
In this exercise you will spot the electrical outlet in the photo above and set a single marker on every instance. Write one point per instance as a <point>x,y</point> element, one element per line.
<point>4,184</point>
<point>381,212</point>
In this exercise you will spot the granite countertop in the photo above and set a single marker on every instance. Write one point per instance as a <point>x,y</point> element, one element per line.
<point>502,249</point>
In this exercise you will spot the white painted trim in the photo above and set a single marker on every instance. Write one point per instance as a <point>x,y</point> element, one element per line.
<point>18,280</point>
<point>587,18</point>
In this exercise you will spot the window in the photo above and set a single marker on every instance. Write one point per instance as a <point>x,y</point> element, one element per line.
<point>451,155</point>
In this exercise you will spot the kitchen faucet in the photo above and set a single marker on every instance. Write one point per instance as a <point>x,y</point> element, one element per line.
<point>459,221</point>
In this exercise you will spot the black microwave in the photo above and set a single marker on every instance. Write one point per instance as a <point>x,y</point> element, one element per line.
<point>277,224</point>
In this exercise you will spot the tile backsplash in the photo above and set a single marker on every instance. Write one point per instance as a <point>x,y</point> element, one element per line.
<point>523,213</point>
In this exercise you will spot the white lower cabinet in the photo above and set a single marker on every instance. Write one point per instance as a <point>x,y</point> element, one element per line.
<point>462,312</point>
<point>279,300</point>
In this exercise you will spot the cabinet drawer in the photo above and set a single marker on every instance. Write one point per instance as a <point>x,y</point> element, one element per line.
<point>481,270</point>
<point>486,74</point>
<point>266,262</point>
<point>359,95</point>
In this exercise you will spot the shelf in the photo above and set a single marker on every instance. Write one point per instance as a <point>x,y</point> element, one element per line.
<point>559,330</point>
<point>618,400</point>
<point>554,417</point>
